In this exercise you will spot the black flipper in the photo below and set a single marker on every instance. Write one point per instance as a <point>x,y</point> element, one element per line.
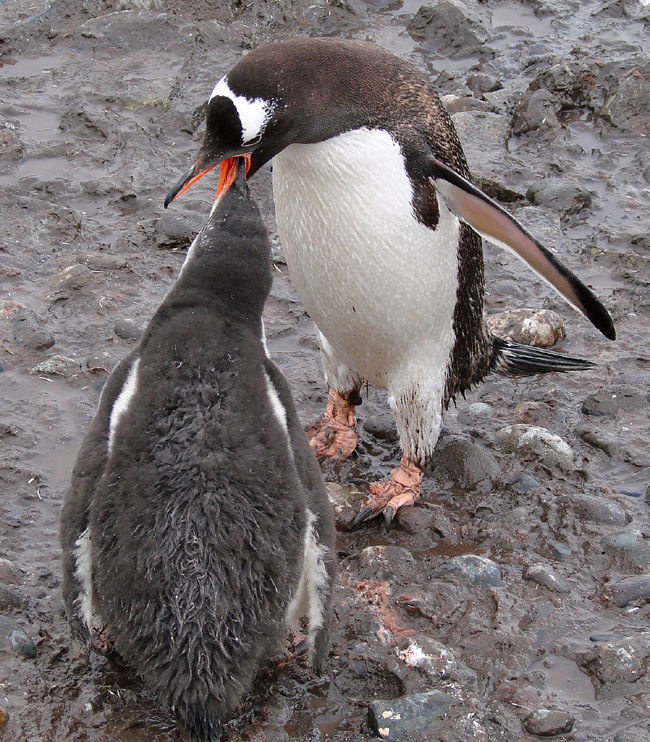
<point>514,359</point>
<point>495,224</point>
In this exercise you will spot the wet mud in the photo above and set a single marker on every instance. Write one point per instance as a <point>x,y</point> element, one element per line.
<point>511,603</point>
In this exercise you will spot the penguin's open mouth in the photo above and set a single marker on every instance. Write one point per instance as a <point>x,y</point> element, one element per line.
<point>196,172</point>
<point>228,173</point>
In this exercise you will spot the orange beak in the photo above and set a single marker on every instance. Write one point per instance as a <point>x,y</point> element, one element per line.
<point>227,173</point>
<point>225,176</point>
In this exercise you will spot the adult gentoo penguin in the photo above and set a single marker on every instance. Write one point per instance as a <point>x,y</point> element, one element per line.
<point>197,523</point>
<point>380,225</point>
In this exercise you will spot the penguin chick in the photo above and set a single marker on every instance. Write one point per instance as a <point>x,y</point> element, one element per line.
<point>197,523</point>
<point>380,226</point>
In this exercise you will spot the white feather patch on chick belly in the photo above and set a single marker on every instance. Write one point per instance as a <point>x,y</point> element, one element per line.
<point>379,285</point>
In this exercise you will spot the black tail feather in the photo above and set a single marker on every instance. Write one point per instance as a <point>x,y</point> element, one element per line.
<point>514,359</point>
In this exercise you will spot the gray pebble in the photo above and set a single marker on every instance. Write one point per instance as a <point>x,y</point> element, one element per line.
<point>13,637</point>
<point>631,546</point>
<point>382,426</point>
<point>105,358</point>
<point>474,568</point>
<point>559,196</point>
<point>385,562</point>
<point>548,722</point>
<point>71,278</point>
<point>625,659</point>
<point>599,439</point>
<point>174,232</point>
<point>630,491</point>
<point>403,716</point>
<point>128,329</point>
<point>546,576</point>
<point>537,112</point>
<point>480,82</point>
<point>628,590</point>
<point>475,413</point>
<point>468,463</point>
<point>597,509</point>
<point>10,599</point>
<point>28,332</point>
<point>613,399</point>
<point>9,573</point>
<point>524,483</point>
<point>455,28</point>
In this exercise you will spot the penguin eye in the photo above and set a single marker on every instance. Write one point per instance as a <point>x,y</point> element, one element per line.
<point>254,141</point>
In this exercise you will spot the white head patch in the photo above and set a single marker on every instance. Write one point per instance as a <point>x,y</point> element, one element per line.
<point>254,113</point>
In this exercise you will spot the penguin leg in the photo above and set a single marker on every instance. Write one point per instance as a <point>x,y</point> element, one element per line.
<point>333,435</point>
<point>416,395</point>
<point>402,488</point>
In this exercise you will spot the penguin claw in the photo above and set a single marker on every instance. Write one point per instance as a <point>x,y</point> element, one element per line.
<point>401,489</point>
<point>362,515</point>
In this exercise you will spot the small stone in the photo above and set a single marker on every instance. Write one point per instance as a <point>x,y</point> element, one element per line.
<point>548,722</point>
<point>56,366</point>
<point>559,196</point>
<point>105,358</point>
<point>11,148</point>
<point>9,573</point>
<point>409,714</point>
<point>613,399</point>
<point>382,426</point>
<point>385,562</point>
<point>630,492</point>
<point>626,659</point>
<point>559,551</point>
<point>13,637</point>
<point>628,590</point>
<point>598,439</point>
<point>456,28</point>
<point>71,278</point>
<point>538,111</point>
<point>524,483</point>
<point>4,716</point>
<point>545,576</point>
<point>427,655</point>
<point>10,599</point>
<point>437,600</point>
<point>476,569</point>
<point>128,329</point>
<point>597,509</point>
<point>480,82</point>
<point>475,413</point>
<point>540,328</point>
<point>631,546</point>
<point>468,463</point>
<point>28,332</point>
<point>174,232</point>
<point>532,439</point>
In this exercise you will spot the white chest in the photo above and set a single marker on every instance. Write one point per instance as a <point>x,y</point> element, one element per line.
<point>378,284</point>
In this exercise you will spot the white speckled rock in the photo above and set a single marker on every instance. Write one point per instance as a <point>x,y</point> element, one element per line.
<point>532,439</point>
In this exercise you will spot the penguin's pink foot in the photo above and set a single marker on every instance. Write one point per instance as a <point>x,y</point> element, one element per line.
<point>401,489</point>
<point>333,434</point>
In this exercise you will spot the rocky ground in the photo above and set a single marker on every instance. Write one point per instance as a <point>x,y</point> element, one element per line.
<point>512,602</point>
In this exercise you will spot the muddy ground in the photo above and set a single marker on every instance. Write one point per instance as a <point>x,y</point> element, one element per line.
<point>512,602</point>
